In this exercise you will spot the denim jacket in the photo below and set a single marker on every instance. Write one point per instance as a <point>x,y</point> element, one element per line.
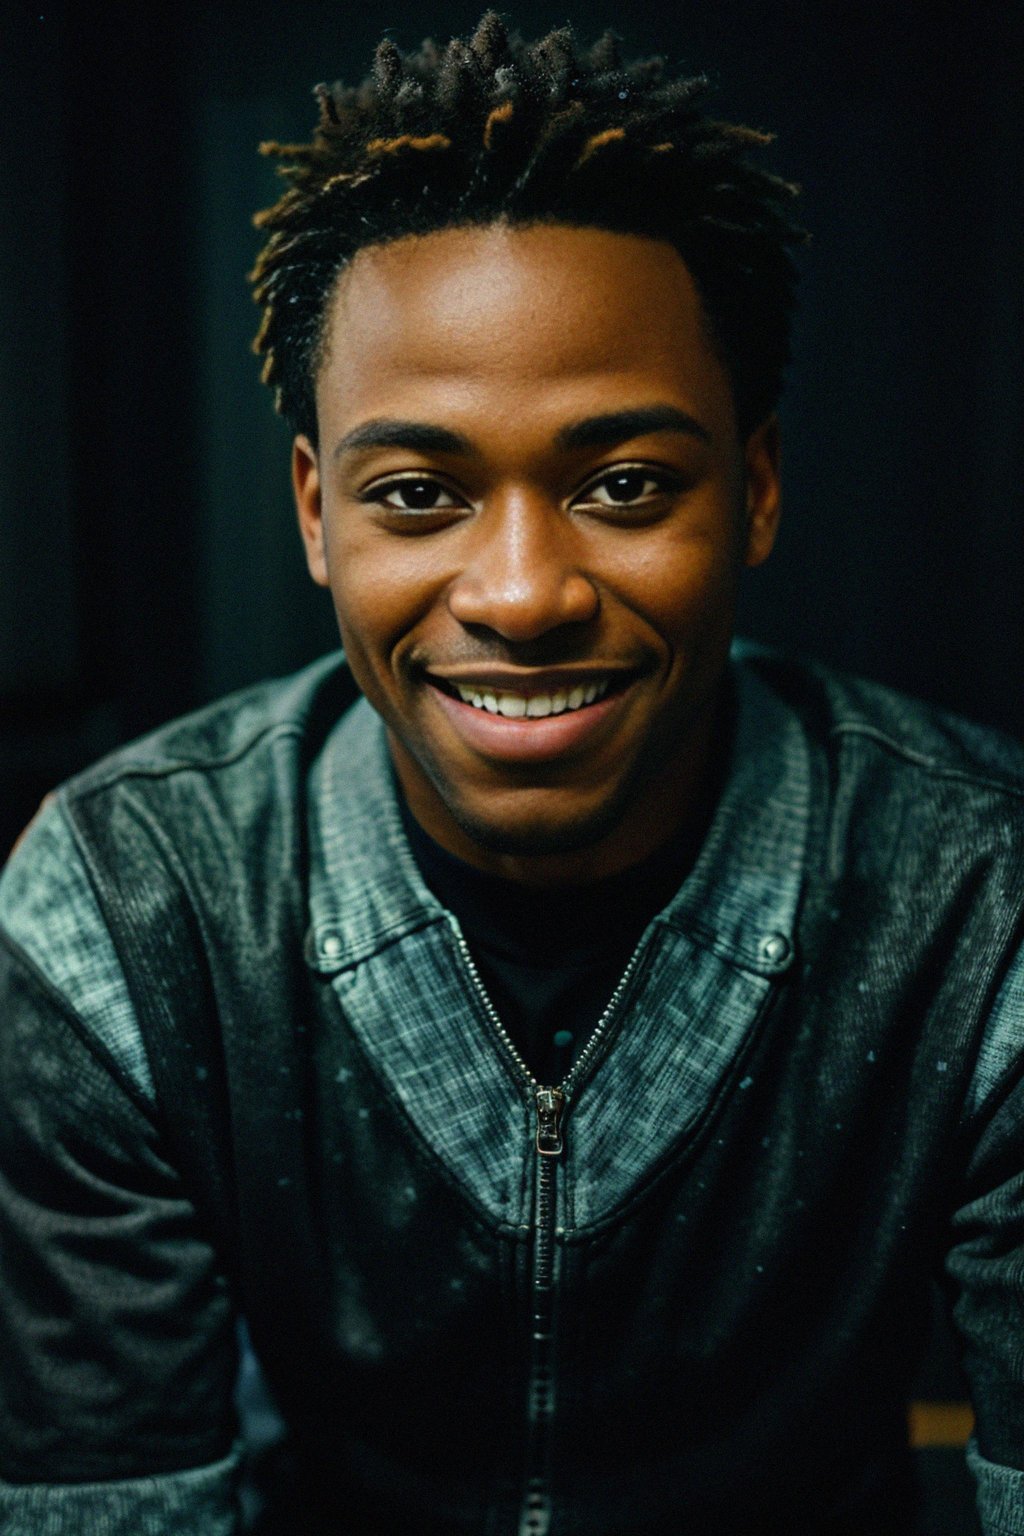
<point>247,1067</point>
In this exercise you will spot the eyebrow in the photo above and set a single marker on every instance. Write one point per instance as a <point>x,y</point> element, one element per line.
<point>620,426</point>
<point>419,436</point>
<point>593,432</point>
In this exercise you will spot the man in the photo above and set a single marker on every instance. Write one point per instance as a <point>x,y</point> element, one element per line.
<point>575,1061</point>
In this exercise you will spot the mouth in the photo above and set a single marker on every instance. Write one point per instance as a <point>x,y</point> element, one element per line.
<point>513,704</point>
<point>534,716</point>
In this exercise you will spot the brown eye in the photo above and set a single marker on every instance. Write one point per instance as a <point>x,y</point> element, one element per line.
<point>412,495</point>
<point>630,485</point>
<point>627,487</point>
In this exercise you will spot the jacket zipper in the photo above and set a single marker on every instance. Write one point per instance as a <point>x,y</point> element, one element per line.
<point>549,1106</point>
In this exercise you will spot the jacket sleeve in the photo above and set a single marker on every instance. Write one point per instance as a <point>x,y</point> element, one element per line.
<point>117,1341</point>
<point>986,1263</point>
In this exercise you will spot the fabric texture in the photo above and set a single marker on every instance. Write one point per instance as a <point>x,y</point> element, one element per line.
<point>1000,1494</point>
<point>194,1503</point>
<point>550,960</point>
<point>246,1067</point>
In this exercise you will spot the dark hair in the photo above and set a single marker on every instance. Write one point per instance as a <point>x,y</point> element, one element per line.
<point>495,129</point>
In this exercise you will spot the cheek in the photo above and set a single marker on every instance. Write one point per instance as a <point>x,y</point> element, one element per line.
<point>680,582</point>
<point>382,592</point>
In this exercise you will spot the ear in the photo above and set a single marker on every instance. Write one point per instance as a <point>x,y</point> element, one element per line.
<point>764,493</point>
<point>306,485</point>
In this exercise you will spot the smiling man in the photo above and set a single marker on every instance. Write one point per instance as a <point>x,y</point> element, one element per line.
<point>532,512</point>
<point>576,1061</point>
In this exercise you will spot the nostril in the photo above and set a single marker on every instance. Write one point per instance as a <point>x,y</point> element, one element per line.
<point>525,604</point>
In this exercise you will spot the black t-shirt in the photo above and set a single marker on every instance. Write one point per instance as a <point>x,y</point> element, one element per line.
<point>550,959</point>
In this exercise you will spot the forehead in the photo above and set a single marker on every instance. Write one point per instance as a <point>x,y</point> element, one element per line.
<point>497,310</point>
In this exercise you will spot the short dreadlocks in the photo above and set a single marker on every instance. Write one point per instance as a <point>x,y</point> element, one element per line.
<point>498,130</point>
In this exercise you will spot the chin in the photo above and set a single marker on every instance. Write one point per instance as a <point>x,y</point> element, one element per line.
<point>535,835</point>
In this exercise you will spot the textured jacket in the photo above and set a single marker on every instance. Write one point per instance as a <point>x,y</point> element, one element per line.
<point>247,1067</point>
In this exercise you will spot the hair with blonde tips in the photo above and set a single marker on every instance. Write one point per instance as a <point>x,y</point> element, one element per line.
<point>497,129</point>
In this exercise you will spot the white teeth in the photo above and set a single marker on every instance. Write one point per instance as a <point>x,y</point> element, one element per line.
<point>537,705</point>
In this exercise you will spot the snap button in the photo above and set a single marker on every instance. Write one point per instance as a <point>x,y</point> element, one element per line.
<point>330,945</point>
<point>775,948</point>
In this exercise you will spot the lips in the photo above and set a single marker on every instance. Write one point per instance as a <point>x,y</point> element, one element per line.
<point>528,716</point>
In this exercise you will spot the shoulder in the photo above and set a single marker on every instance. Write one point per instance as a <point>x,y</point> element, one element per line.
<point>215,788</point>
<point>202,799</point>
<point>872,728</point>
<point>920,808</point>
<point>53,930</point>
<point>917,834</point>
<point>207,815</point>
<point>244,727</point>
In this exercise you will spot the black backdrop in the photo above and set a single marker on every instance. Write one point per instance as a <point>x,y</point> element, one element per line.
<point>147,554</point>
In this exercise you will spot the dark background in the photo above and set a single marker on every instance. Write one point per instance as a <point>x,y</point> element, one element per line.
<point>148,558</point>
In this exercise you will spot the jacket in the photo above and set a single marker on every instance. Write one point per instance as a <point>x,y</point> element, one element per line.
<point>249,1069</point>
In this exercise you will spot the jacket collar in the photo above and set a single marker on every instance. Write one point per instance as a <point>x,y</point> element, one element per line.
<point>740,899</point>
<point>742,895</point>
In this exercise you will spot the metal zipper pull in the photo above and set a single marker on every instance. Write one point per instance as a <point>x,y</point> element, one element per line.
<point>550,1104</point>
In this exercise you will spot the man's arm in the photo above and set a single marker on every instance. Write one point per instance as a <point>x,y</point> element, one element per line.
<point>986,1264</point>
<point>116,1327</point>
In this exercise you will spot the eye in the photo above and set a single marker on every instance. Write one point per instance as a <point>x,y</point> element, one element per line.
<point>411,493</point>
<point>630,486</point>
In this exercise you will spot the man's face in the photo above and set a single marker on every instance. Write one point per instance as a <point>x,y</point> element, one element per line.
<point>531,506</point>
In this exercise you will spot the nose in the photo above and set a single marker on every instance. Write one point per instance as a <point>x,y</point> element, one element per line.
<point>521,575</point>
